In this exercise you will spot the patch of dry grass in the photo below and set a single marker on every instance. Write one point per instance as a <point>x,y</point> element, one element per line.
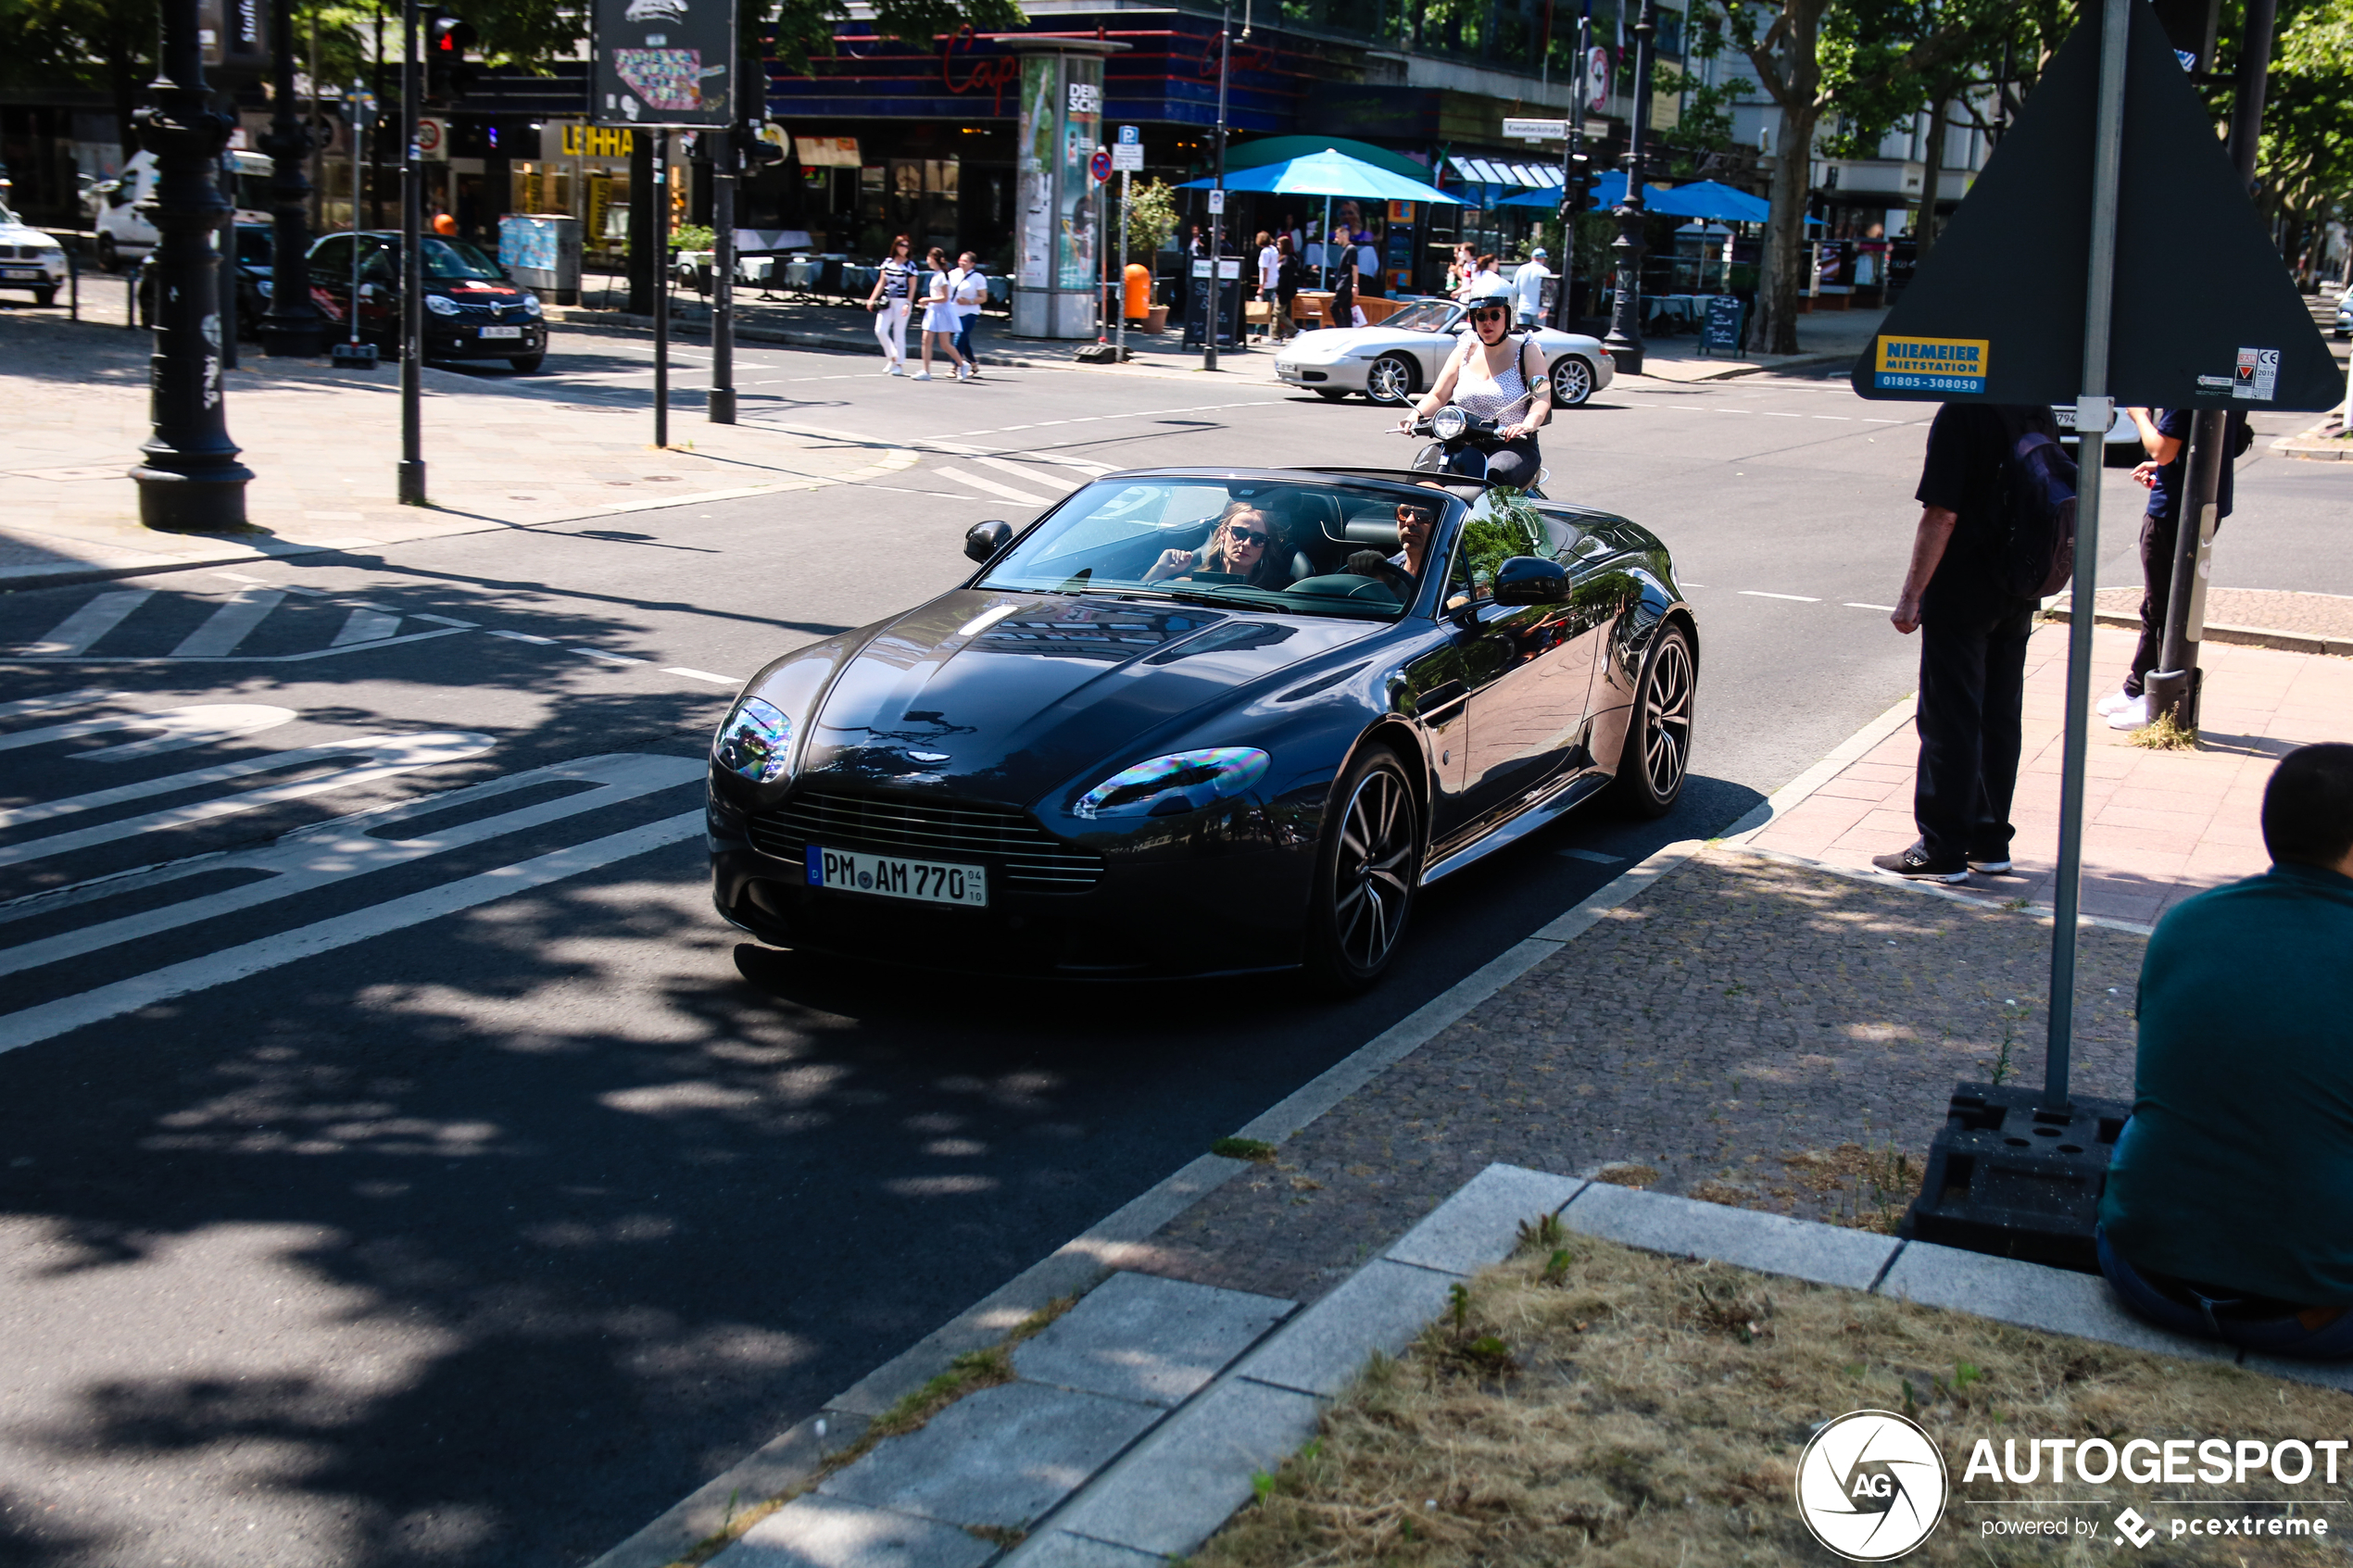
<point>2164,734</point>
<point>1640,1410</point>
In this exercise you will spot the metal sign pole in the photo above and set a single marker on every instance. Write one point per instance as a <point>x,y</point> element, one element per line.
<point>724,167</point>
<point>1217,213</point>
<point>1127,183</point>
<point>661,288</point>
<point>413,269</point>
<point>2093,410</point>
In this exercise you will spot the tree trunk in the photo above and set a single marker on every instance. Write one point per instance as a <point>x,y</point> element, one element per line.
<point>1931,180</point>
<point>1783,273</point>
<point>1799,94</point>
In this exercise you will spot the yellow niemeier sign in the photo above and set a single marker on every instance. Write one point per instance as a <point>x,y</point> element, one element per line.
<point>1932,364</point>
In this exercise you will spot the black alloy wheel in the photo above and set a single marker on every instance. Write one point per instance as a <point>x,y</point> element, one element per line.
<point>1658,735</point>
<point>1389,380</point>
<point>1367,870</point>
<point>1572,381</point>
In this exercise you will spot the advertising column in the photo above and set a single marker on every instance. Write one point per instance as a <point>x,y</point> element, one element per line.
<point>1055,229</point>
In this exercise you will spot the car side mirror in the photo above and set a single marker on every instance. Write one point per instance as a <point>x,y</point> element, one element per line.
<point>986,541</point>
<point>1532,580</point>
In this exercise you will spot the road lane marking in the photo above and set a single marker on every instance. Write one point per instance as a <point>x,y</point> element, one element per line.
<point>701,675</point>
<point>89,623</point>
<point>231,624</point>
<point>180,727</point>
<point>34,1024</point>
<point>1852,605</point>
<point>1030,473</point>
<point>365,626</point>
<point>1593,855</point>
<point>1082,464</point>
<point>384,756</point>
<point>1761,593</point>
<point>608,658</point>
<point>87,696</point>
<point>521,637</point>
<point>337,852</point>
<point>1775,414</point>
<point>990,486</point>
<point>448,621</point>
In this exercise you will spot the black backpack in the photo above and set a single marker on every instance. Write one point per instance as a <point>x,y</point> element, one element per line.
<point>2034,517</point>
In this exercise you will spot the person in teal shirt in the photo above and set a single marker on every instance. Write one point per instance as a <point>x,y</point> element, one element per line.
<point>2229,1208</point>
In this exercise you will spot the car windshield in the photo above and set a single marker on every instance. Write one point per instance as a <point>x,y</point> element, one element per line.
<point>449,260</point>
<point>254,246</point>
<point>1425,316</point>
<point>1308,548</point>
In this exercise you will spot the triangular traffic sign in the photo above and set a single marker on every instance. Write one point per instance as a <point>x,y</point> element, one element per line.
<point>2205,313</point>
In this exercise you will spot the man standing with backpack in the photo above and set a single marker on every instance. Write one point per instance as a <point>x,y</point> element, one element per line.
<point>1997,524</point>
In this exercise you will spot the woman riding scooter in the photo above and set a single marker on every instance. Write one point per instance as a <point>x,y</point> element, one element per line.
<point>1493,375</point>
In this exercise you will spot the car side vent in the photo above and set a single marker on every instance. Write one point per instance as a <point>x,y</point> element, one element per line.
<point>1321,683</point>
<point>1010,843</point>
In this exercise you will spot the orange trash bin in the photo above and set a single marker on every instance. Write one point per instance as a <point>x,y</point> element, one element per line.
<point>1138,279</point>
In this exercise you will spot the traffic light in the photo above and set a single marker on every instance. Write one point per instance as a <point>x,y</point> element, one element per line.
<point>448,39</point>
<point>753,147</point>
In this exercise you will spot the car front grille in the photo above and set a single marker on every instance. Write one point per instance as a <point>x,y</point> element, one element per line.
<point>1025,854</point>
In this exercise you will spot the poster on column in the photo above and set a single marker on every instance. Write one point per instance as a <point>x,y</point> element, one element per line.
<point>1082,126</point>
<point>1040,79</point>
<point>664,62</point>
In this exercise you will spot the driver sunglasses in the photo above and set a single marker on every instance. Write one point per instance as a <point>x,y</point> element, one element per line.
<point>1408,512</point>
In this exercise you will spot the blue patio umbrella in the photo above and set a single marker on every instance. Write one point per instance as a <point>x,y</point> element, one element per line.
<point>1328,174</point>
<point>1707,199</point>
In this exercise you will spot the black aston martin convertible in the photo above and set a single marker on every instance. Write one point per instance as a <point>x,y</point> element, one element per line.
<point>1200,720</point>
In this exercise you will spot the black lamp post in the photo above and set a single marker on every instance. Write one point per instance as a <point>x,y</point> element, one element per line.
<point>190,480</point>
<point>293,325</point>
<point>1625,340</point>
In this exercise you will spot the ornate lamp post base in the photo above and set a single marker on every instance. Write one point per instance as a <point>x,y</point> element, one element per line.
<point>206,499</point>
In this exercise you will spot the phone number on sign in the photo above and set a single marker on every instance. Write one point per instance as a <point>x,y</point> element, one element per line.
<point>1932,383</point>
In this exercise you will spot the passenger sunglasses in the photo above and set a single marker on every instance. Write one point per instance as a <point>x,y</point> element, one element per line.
<point>1248,535</point>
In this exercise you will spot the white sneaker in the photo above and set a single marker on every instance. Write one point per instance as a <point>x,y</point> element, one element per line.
<point>919,375</point>
<point>896,369</point>
<point>2113,701</point>
<point>964,372</point>
<point>2133,715</point>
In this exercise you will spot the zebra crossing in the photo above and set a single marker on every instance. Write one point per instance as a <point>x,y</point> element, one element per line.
<point>106,938</point>
<point>250,624</point>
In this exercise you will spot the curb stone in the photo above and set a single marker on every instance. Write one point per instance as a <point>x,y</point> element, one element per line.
<point>2242,636</point>
<point>1161,1498</point>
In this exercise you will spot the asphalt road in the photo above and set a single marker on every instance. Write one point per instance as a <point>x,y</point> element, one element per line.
<point>448,1185</point>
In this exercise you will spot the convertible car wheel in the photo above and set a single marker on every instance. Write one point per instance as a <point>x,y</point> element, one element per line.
<point>1389,380</point>
<point>1365,874</point>
<point>1659,739</point>
<point>1572,381</point>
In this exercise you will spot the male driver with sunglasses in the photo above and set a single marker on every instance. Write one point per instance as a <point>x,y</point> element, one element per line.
<point>1494,375</point>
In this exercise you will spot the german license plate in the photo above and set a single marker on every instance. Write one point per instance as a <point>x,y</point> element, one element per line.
<point>927,882</point>
<point>501,331</point>
<point>25,274</point>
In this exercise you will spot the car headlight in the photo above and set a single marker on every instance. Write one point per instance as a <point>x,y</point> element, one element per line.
<point>531,305</point>
<point>1449,422</point>
<point>756,742</point>
<point>439,305</point>
<point>1168,785</point>
<point>261,286</point>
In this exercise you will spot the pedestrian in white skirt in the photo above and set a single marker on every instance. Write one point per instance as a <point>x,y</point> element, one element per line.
<point>940,319</point>
<point>894,290</point>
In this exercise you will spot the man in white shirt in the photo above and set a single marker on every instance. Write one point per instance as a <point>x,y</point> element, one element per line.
<point>967,291</point>
<point>1270,273</point>
<point>1528,289</point>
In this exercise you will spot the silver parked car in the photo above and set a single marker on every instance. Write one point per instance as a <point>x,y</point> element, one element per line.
<point>1397,360</point>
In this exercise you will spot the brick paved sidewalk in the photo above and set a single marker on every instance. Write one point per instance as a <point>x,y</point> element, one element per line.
<point>323,443</point>
<point>2249,617</point>
<point>2158,825</point>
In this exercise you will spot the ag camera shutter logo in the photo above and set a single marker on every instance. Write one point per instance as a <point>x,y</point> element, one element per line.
<point>1871,1486</point>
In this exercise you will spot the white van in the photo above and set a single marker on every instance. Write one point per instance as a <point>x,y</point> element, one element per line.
<point>124,233</point>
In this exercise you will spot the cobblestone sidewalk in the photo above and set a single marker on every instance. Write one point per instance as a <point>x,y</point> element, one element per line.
<point>1746,1030</point>
<point>323,443</point>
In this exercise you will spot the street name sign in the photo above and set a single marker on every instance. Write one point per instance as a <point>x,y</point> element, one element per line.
<point>1536,129</point>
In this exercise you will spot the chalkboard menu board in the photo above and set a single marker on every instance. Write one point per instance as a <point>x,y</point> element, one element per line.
<point>1230,302</point>
<point>1723,327</point>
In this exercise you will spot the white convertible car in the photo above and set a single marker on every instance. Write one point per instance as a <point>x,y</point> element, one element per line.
<point>1399,357</point>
